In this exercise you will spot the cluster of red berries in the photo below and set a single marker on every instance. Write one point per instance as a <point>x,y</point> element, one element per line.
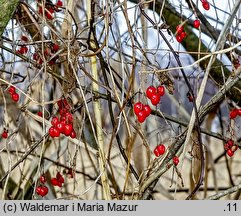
<point>196,23</point>
<point>159,150</point>
<point>49,9</point>
<point>175,160</point>
<point>205,4</point>
<point>58,180</point>
<point>64,124</point>
<point>181,34</point>
<point>155,94</point>
<point>13,93</point>
<point>23,49</point>
<point>42,190</point>
<point>234,113</point>
<point>5,134</point>
<point>230,148</point>
<point>49,52</point>
<point>142,111</point>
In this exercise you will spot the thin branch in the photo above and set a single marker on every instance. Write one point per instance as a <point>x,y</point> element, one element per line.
<point>224,193</point>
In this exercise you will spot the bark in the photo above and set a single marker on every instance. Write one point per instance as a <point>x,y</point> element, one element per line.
<point>7,9</point>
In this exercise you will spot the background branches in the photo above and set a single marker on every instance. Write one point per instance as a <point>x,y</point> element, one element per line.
<point>104,100</point>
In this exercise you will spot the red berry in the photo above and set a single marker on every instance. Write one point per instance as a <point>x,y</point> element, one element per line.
<point>56,132</point>
<point>230,143</point>
<point>175,160</point>
<point>60,127</point>
<point>239,112</point>
<point>233,113</point>
<point>49,13</point>
<point>58,181</point>
<point>60,105</point>
<point>63,118</point>
<point>15,97</point>
<point>236,63</point>
<point>35,56</point>
<point>226,146</point>
<point>19,51</point>
<point>42,179</point>
<point>69,117</point>
<point>156,152</point>
<point>190,97</point>
<point>55,47</point>
<point>63,122</point>
<point>196,23</point>
<point>206,5</point>
<point>63,103</point>
<point>155,99</point>
<point>23,50</point>
<point>40,10</point>
<point>50,9</point>
<point>42,190</point>
<point>151,90</point>
<point>60,184</point>
<point>55,182</point>
<point>38,190</point>
<point>68,129</point>
<point>51,132</point>
<point>179,38</point>
<point>39,113</point>
<point>49,16</point>
<point>141,116</point>
<point>159,150</point>
<point>24,38</point>
<point>161,90</point>
<point>45,190</point>
<point>40,61</point>
<point>60,177</point>
<point>137,107</point>
<point>51,62</point>
<point>12,90</point>
<point>179,29</point>
<point>147,110</point>
<point>5,135</point>
<point>59,3</point>
<point>183,35</point>
<point>73,134</point>
<point>70,173</point>
<point>230,153</point>
<point>55,121</point>
<point>62,111</point>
